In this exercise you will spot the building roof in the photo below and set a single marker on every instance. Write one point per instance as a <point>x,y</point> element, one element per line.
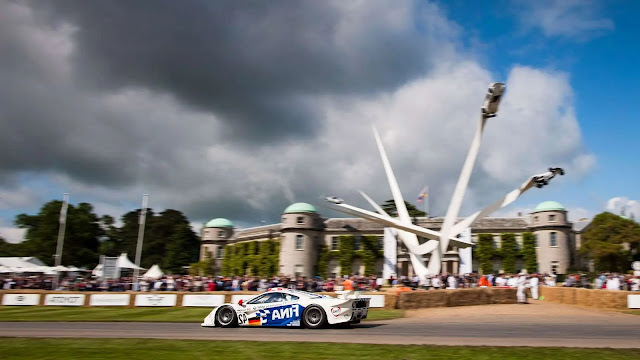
<point>219,222</point>
<point>300,208</point>
<point>549,206</point>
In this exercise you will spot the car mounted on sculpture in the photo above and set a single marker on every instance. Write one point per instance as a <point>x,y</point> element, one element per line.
<point>492,99</point>
<point>287,307</point>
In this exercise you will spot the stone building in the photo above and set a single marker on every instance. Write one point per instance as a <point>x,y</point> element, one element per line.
<point>302,231</point>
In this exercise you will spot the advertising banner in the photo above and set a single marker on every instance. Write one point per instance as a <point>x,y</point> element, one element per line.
<point>203,300</point>
<point>64,300</point>
<point>21,299</point>
<point>156,300</point>
<point>633,301</point>
<point>390,254</point>
<point>377,301</point>
<point>109,300</point>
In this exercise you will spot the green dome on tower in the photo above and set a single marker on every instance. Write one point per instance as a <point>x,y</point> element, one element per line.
<point>549,206</point>
<point>300,208</point>
<point>219,223</point>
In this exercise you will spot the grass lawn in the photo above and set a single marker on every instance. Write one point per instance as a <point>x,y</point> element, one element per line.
<point>632,312</point>
<point>82,349</point>
<point>168,314</point>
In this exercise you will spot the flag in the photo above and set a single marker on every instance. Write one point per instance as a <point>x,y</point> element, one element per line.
<point>423,194</point>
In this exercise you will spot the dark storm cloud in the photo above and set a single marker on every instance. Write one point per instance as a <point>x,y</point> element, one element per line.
<point>248,61</point>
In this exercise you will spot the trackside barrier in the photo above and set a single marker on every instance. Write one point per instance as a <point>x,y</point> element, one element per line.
<point>64,300</point>
<point>21,299</point>
<point>202,300</point>
<point>156,300</point>
<point>602,299</point>
<point>160,299</point>
<point>109,300</point>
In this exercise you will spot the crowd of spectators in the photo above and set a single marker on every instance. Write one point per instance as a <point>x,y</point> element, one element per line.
<point>608,281</point>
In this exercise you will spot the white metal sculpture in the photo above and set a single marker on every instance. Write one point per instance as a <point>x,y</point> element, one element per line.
<point>438,242</point>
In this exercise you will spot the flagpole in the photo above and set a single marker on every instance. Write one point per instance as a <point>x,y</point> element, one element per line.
<point>61,231</point>
<point>143,216</point>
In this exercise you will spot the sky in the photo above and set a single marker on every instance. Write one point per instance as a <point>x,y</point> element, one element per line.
<point>237,109</point>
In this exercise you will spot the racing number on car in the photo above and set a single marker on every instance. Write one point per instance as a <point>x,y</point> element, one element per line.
<point>242,319</point>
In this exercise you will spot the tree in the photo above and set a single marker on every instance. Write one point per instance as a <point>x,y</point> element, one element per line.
<point>389,207</point>
<point>179,249</point>
<point>508,251</point>
<point>160,233</point>
<point>604,240</point>
<point>529,253</point>
<point>485,253</point>
<point>81,236</point>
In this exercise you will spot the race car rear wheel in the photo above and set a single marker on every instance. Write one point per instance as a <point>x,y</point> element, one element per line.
<point>314,317</point>
<point>226,317</point>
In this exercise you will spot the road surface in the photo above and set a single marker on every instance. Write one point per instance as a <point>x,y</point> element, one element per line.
<point>538,324</point>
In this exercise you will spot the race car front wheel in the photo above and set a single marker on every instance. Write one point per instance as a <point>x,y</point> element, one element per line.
<point>314,317</point>
<point>226,317</point>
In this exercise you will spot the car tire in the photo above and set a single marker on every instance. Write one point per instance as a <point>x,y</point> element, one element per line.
<point>314,317</point>
<point>226,317</point>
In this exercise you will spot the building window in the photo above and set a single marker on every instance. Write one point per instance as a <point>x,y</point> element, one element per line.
<point>300,220</point>
<point>356,243</point>
<point>299,270</point>
<point>554,240</point>
<point>519,241</point>
<point>380,242</point>
<point>535,219</point>
<point>554,267</point>
<point>552,218</point>
<point>221,233</point>
<point>299,244</point>
<point>221,252</point>
<point>334,243</point>
<point>496,241</point>
<point>535,240</point>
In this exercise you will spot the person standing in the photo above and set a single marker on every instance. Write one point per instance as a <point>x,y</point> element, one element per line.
<point>435,282</point>
<point>522,283</point>
<point>533,283</point>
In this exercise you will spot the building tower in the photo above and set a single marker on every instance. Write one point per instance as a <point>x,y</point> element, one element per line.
<point>300,239</point>
<point>215,236</point>
<point>552,232</point>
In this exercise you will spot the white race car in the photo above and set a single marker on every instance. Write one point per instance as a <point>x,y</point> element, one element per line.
<point>287,307</point>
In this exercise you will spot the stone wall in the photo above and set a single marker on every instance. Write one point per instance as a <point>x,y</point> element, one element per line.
<point>460,297</point>
<point>602,299</point>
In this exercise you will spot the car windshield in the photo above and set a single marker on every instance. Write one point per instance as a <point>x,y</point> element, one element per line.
<point>267,298</point>
<point>311,295</point>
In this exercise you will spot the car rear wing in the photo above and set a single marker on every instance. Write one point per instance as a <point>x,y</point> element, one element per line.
<point>348,294</point>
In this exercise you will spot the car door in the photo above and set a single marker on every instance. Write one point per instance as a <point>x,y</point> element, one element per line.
<point>256,310</point>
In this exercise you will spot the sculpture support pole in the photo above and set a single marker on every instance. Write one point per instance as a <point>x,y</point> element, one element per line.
<point>463,181</point>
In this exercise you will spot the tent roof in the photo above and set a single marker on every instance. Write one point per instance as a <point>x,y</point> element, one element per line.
<point>154,272</point>
<point>124,262</point>
<point>20,262</point>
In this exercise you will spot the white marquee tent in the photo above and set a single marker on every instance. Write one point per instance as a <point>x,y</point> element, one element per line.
<point>154,272</point>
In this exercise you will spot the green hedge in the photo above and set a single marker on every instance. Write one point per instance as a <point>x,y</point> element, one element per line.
<point>508,252</point>
<point>485,253</point>
<point>529,253</point>
<point>347,253</point>
<point>259,258</point>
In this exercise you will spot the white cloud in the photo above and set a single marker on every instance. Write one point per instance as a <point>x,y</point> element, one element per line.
<point>178,155</point>
<point>623,205</point>
<point>11,234</point>
<point>577,19</point>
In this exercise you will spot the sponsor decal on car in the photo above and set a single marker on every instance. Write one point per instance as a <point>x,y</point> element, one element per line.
<point>335,311</point>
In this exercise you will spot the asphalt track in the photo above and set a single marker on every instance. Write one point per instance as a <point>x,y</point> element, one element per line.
<point>538,324</point>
